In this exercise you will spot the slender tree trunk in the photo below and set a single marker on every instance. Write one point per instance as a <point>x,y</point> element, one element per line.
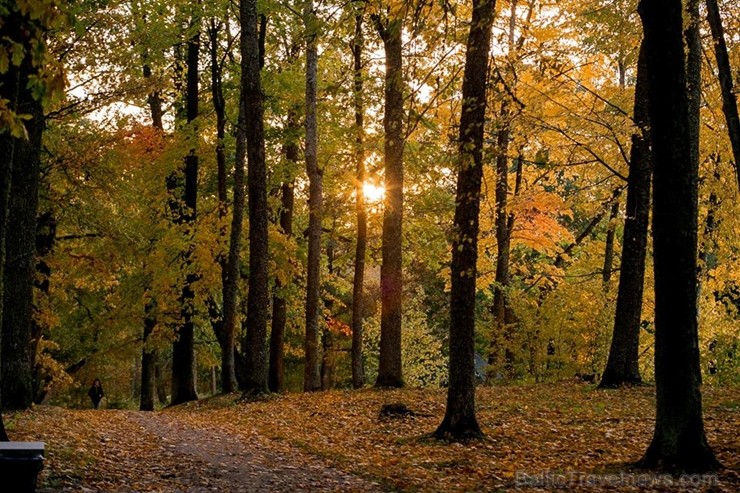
<point>229,279</point>
<point>390,373</point>
<point>148,361</point>
<point>679,442</point>
<point>622,367</point>
<point>279,302</point>
<point>149,353</point>
<point>692,42</point>
<point>183,349</point>
<point>232,274</point>
<point>606,274</point>
<point>358,285</point>
<point>160,380</point>
<point>460,422</point>
<point>18,347</point>
<point>504,318</point>
<point>729,100</point>
<point>312,368</point>
<point>502,333</point>
<point>255,345</point>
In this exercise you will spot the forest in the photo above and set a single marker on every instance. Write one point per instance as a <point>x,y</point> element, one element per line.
<point>285,196</point>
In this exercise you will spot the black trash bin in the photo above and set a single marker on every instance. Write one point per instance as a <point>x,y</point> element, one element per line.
<point>20,464</point>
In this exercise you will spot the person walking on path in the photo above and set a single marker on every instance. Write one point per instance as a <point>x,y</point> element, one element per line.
<point>96,393</point>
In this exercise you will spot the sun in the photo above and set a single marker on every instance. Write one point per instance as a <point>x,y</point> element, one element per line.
<point>372,192</point>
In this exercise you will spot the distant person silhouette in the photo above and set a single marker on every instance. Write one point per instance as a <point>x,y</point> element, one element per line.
<point>96,393</point>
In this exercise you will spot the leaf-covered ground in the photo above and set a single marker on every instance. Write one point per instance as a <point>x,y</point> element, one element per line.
<point>539,438</point>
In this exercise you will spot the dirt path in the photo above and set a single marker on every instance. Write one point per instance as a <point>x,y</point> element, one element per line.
<point>126,451</point>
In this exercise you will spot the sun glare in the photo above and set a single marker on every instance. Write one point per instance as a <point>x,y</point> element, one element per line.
<point>372,192</point>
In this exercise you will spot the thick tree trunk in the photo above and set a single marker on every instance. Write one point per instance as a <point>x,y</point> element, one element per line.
<point>622,367</point>
<point>679,442</point>
<point>279,303</point>
<point>8,91</point>
<point>312,368</point>
<point>255,345</point>
<point>460,422</point>
<point>390,373</point>
<point>18,347</point>
<point>729,100</point>
<point>358,285</point>
<point>183,349</point>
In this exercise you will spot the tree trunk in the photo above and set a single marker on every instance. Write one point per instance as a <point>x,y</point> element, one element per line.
<point>8,91</point>
<point>501,334</point>
<point>606,274</point>
<point>232,274</point>
<point>679,442</point>
<point>279,303</point>
<point>390,373</point>
<point>148,361</point>
<point>358,285</point>
<point>160,381</point>
<point>460,422</point>
<point>255,345</point>
<point>150,354</point>
<point>183,349</point>
<point>622,367</point>
<point>312,368</point>
<point>228,279</point>
<point>729,101</point>
<point>692,42</point>
<point>20,261</point>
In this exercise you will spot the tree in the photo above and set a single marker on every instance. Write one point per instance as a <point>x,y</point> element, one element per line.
<point>390,373</point>
<point>622,367</point>
<point>17,345</point>
<point>183,350</point>
<point>679,442</point>
<point>312,369</point>
<point>460,422</point>
<point>232,271</point>
<point>729,101</point>
<point>255,345</point>
<point>358,373</point>
<point>29,79</point>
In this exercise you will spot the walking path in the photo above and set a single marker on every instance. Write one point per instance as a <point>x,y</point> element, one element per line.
<point>159,452</point>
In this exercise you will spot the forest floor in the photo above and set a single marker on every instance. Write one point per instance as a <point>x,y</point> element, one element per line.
<point>565,436</point>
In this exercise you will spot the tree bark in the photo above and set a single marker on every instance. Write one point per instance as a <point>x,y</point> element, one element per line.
<point>312,368</point>
<point>18,347</point>
<point>9,90</point>
<point>358,285</point>
<point>276,379</point>
<point>729,101</point>
<point>183,349</point>
<point>606,274</point>
<point>255,345</point>
<point>460,422</point>
<point>390,373</point>
<point>232,274</point>
<point>503,247</point>
<point>679,442</point>
<point>150,354</point>
<point>622,367</point>
<point>148,361</point>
